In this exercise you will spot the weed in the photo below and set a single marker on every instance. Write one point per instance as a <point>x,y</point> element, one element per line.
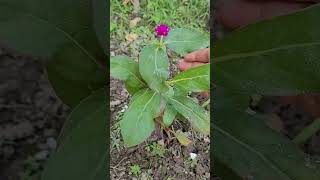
<point>135,169</point>
<point>156,149</point>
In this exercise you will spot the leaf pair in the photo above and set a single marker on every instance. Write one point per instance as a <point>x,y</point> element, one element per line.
<point>269,59</point>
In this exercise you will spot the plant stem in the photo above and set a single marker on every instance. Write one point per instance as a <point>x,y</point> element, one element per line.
<point>307,132</point>
<point>161,41</point>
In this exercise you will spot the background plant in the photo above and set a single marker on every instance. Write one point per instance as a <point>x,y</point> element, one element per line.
<point>70,38</point>
<point>265,58</point>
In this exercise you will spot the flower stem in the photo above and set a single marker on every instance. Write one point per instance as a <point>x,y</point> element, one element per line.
<point>161,40</point>
<point>307,132</point>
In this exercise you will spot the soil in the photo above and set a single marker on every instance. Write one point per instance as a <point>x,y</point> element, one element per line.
<point>30,117</point>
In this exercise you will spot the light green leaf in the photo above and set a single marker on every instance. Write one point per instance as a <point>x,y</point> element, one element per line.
<point>154,66</point>
<point>182,138</point>
<point>138,123</point>
<point>183,41</point>
<point>193,80</point>
<point>250,148</point>
<point>83,148</point>
<point>195,114</point>
<point>272,57</point>
<point>126,69</point>
<point>169,115</point>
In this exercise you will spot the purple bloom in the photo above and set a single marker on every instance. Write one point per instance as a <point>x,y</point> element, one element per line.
<point>162,30</point>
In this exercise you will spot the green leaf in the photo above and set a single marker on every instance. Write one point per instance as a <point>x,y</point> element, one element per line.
<point>195,114</point>
<point>183,41</point>
<point>39,27</point>
<point>250,148</point>
<point>193,80</point>
<point>100,13</point>
<point>82,152</point>
<point>154,66</point>
<point>126,69</point>
<point>267,58</point>
<point>73,74</point>
<point>138,123</point>
<point>169,115</point>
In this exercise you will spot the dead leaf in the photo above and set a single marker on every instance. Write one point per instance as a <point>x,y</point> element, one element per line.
<point>131,37</point>
<point>125,2</point>
<point>134,22</point>
<point>182,138</point>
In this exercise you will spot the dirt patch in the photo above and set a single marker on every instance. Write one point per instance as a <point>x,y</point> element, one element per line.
<point>30,117</point>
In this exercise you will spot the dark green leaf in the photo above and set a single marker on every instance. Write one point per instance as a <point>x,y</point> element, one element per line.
<point>154,66</point>
<point>40,27</point>
<point>101,25</point>
<point>251,149</point>
<point>138,123</point>
<point>195,114</point>
<point>193,80</point>
<point>183,41</point>
<point>274,57</point>
<point>126,69</point>
<point>74,74</point>
<point>169,115</point>
<point>82,152</point>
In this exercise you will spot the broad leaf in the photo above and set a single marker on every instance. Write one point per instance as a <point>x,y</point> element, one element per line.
<point>126,69</point>
<point>138,123</point>
<point>183,41</point>
<point>274,57</point>
<point>169,115</point>
<point>195,114</point>
<point>82,152</point>
<point>35,28</point>
<point>154,66</point>
<point>40,27</point>
<point>101,25</point>
<point>251,149</point>
<point>193,80</point>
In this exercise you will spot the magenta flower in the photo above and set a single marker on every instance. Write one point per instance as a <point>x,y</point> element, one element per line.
<point>162,30</point>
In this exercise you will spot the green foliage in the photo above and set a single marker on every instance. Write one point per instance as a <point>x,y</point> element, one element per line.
<point>156,149</point>
<point>84,133</point>
<point>154,66</point>
<point>169,115</point>
<point>137,123</point>
<point>127,70</point>
<point>263,58</point>
<point>184,41</point>
<point>193,80</point>
<point>148,104</point>
<point>135,169</point>
<point>68,39</point>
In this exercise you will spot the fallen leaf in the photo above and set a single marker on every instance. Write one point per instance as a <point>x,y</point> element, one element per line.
<point>182,138</point>
<point>134,22</point>
<point>125,2</point>
<point>131,37</point>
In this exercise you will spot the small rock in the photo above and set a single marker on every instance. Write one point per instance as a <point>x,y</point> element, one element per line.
<point>52,143</point>
<point>42,155</point>
<point>115,103</point>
